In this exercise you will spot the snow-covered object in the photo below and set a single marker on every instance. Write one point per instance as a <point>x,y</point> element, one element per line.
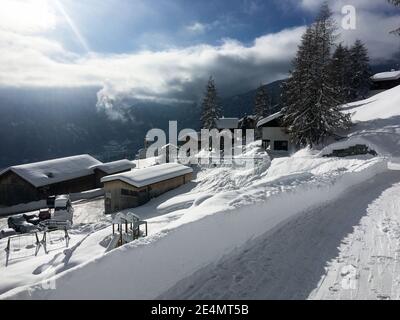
<point>386,76</point>
<point>227,123</point>
<point>63,209</point>
<point>62,201</point>
<point>119,218</point>
<point>268,119</point>
<point>7,232</point>
<point>64,215</point>
<point>144,177</point>
<point>115,166</point>
<point>350,142</point>
<point>43,173</point>
<point>122,217</point>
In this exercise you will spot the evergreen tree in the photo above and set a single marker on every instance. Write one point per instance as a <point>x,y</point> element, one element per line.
<point>296,90</point>
<point>262,104</point>
<point>340,73</point>
<point>311,105</point>
<point>211,108</point>
<point>360,80</point>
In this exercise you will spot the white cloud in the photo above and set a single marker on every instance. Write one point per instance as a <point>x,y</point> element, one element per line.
<point>197,27</point>
<point>26,16</point>
<point>169,74</point>
<point>337,5</point>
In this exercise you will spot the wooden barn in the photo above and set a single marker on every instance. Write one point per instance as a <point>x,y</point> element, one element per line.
<point>134,188</point>
<point>36,181</point>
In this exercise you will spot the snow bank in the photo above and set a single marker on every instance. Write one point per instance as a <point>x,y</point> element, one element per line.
<point>381,106</point>
<point>147,268</point>
<point>377,123</point>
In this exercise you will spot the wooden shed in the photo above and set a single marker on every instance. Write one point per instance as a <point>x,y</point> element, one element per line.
<point>36,181</point>
<point>134,188</point>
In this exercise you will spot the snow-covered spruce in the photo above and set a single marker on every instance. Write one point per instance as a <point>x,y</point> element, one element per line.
<point>211,106</point>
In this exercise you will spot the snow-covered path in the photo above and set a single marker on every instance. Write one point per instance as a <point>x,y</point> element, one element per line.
<point>368,266</point>
<point>317,254</point>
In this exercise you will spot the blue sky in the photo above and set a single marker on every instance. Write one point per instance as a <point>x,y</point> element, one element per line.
<point>165,50</point>
<point>120,26</point>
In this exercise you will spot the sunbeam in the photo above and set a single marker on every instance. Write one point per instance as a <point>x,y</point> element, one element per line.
<point>72,25</point>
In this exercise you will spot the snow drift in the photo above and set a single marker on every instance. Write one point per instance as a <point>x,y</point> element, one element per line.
<point>377,124</point>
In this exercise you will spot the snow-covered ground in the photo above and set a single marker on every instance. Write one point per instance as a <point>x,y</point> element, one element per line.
<point>306,226</point>
<point>197,218</point>
<point>317,254</point>
<point>367,265</point>
<point>377,123</point>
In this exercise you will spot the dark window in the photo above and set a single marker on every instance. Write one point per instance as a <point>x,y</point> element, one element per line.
<point>129,193</point>
<point>281,145</point>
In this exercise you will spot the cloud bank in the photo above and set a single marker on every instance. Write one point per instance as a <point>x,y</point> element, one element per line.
<point>176,75</point>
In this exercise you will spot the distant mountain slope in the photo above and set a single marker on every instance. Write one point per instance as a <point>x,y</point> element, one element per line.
<point>39,124</point>
<point>243,104</point>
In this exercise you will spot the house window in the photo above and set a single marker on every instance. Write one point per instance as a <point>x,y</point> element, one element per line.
<point>129,193</point>
<point>281,145</point>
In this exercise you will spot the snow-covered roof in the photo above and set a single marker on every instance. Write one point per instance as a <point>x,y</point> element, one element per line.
<point>386,76</point>
<point>144,177</point>
<point>123,217</point>
<point>43,173</point>
<point>115,166</point>
<point>227,123</point>
<point>269,119</point>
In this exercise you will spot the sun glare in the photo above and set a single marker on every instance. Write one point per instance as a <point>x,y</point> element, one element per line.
<point>28,16</point>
